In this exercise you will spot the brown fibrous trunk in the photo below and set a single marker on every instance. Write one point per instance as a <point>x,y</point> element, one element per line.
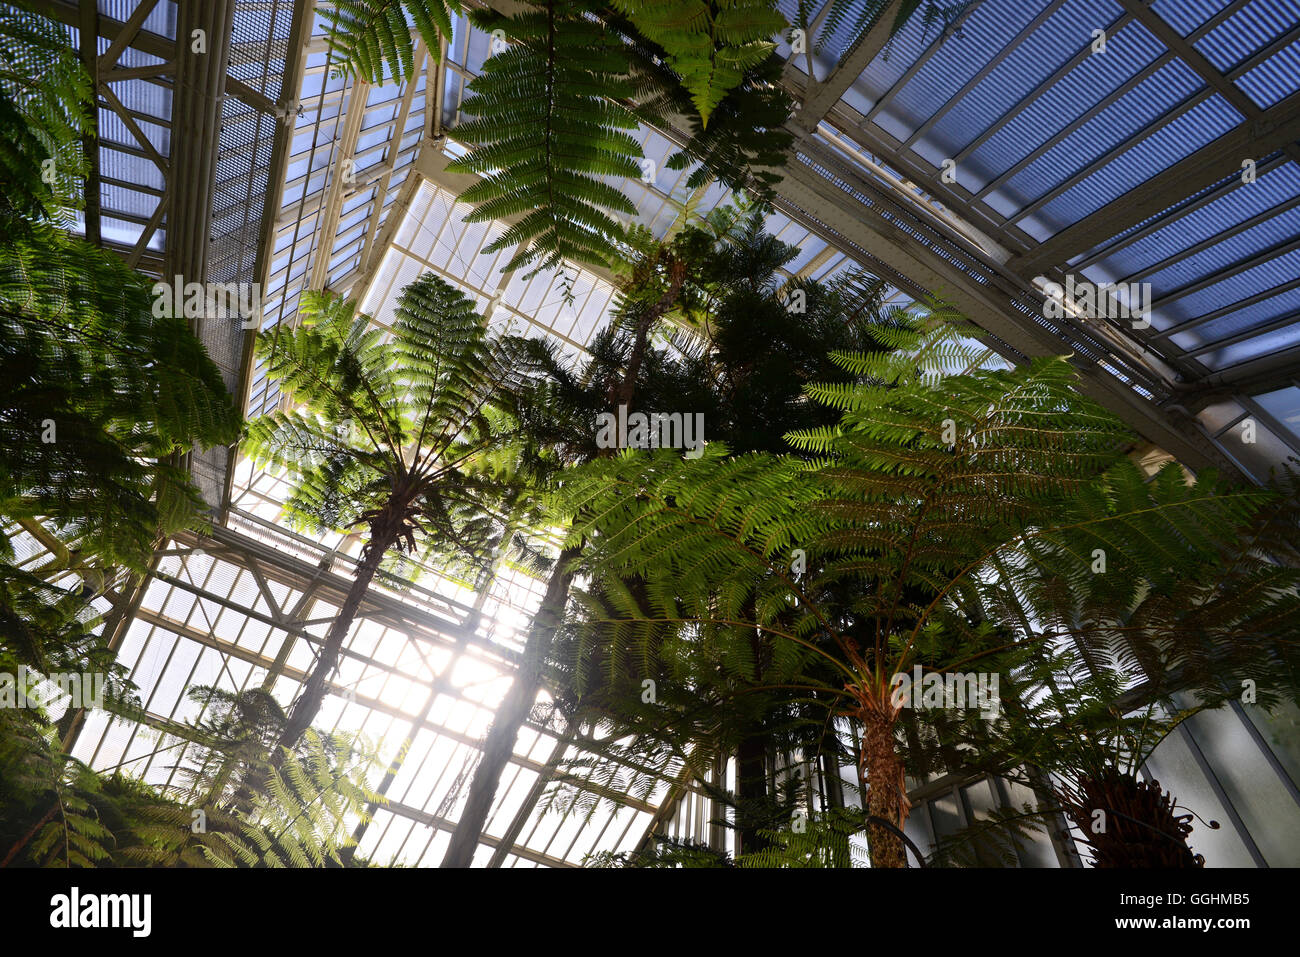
<point>499,745</point>
<point>882,769</point>
<point>1129,823</point>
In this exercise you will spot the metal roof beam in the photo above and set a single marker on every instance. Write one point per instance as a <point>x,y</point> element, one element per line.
<point>872,140</point>
<point>511,835</point>
<point>129,33</point>
<point>1273,370</point>
<point>359,285</point>
<point>393,148</point>
<point>989,308</point>
<point>298,574</point>
<point>887,97</point>
<point>1193,57</point>
<point>1110,28</point>
<point>1221,83</point>
<point>442,824</point>
<point>820,97</point>
<point>69,12</point>
<point>342,182</point>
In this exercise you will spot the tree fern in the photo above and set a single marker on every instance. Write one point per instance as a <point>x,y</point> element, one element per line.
<point>44,625</point>
<point>745,143</point>
<point>301,816</point>
<point>553,112</point>
<point>46,108</point>
<point>557,408</point>
<point>997,839</point>
<point>664,853</point>
<point>890,508</point>
<point>547,129</point>
<point>723,691</point>
<point>305,815</point>
<point>366,35</point>
<point>52,803</point>
<point>824,840</point>
<point>710,46</point>
<point>404,438</point>
<point>859,16</point>
<point>1130,629</point>
<point>97,391</point>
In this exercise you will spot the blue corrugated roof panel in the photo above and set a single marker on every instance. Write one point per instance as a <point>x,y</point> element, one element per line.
<point>1240,320</point>
<point>1275,79</point>
<point>834,42</point>
<point>1057,110</point>
<point>1128,117</point>
<point>1264,345</point>
<point>1249,30</point>
<point>1010,83</point>
<point>903,50</point>
<point>1151,154</point>
<point>1257,279</point>
<point>956,61</point>
<point>1235,206</point>
<point>1186,15</point>
<point>1266,235</point>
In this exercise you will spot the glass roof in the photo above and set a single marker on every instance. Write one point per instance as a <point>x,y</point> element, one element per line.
<point>1058,153</point>
<point>1047,133</point>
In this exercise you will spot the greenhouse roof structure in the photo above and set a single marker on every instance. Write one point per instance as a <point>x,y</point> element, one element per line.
<point>983,161</point>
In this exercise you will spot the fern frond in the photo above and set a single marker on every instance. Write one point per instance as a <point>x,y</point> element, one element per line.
<point>368,35</point>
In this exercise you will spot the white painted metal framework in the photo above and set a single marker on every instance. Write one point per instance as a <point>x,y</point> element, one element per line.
<point>256,165</point>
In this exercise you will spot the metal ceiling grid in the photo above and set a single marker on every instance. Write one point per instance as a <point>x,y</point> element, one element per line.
<point>1069,159</point>
<point>209,618</point>
<point>906,105</point>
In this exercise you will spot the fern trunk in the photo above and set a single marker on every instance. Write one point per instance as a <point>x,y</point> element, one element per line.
<point>1130,823</point>
<point>753,808</point>
<point>499,746</point>
<point>26,838</point>
<point>751,794</point>
<point>305,709</point>
<point>886,789</point>
<point>644,326</point>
